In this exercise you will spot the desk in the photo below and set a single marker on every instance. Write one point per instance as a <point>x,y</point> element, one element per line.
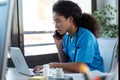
<point>12,74</point>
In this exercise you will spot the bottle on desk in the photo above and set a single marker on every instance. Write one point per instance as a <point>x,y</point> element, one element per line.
<point>59,73</point>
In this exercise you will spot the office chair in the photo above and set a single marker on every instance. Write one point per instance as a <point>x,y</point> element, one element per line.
<point>115,57</point>
<point>108,47</point>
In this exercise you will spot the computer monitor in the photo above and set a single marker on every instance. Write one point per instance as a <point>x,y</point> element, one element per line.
<point>6,12</point>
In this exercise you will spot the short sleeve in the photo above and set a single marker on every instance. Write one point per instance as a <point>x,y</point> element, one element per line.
<point>85,50</point>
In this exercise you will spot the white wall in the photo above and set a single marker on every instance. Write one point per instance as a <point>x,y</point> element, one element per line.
<point>85,5</point>
<point>113,3</point>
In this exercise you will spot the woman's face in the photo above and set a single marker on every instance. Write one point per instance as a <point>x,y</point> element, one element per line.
<point>61,23</point>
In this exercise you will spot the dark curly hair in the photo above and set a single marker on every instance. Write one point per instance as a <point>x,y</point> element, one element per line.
<point>69,8</point>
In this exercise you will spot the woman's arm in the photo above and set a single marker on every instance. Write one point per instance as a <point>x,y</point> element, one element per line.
<point>71,67</point>
<point>76,67</point>
<point>61,55</point>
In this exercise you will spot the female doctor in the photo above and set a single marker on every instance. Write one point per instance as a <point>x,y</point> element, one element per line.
<point>78,49</point>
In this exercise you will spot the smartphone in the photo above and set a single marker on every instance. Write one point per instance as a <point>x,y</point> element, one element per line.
<point>58,35</point>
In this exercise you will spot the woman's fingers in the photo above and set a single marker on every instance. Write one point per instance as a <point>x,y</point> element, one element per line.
<point>37,69</point>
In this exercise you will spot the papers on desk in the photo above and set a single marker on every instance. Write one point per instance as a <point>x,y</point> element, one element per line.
<point>37,78</point>
<point>98,73</point>
<point>92,75</point>
<point>76,76</point>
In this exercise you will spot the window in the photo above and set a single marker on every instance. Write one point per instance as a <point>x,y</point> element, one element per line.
<point>38,27</point>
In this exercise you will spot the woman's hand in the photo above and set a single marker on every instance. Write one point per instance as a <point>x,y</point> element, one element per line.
<point>37,69</point>
<point>57,37</point>
<point>58,42</point>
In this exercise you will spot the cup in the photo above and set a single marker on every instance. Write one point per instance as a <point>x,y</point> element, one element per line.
<point>59,73</point>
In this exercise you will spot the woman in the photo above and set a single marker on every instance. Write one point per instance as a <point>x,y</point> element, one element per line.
<point>78,49</point>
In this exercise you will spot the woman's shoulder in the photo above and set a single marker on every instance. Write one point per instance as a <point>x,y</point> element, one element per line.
<point>86,34</point>
<point>84,31</point>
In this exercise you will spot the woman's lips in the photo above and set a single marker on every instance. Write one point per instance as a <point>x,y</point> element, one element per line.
<point>58,31</point>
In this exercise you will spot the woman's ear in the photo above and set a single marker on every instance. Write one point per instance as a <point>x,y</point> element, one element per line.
<point>70,19</point>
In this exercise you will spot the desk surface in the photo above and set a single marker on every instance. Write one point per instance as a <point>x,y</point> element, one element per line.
<point>12,74</point>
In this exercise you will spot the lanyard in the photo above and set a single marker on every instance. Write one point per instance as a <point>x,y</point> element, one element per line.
<point>74,52</point>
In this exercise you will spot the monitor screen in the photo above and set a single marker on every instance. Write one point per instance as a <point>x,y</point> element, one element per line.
<point>6,12</point>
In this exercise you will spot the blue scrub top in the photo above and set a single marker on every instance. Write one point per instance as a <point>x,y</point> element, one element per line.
<point>83,47</point>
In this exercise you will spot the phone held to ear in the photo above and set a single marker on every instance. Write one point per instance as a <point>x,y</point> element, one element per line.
<point>58,35</point>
